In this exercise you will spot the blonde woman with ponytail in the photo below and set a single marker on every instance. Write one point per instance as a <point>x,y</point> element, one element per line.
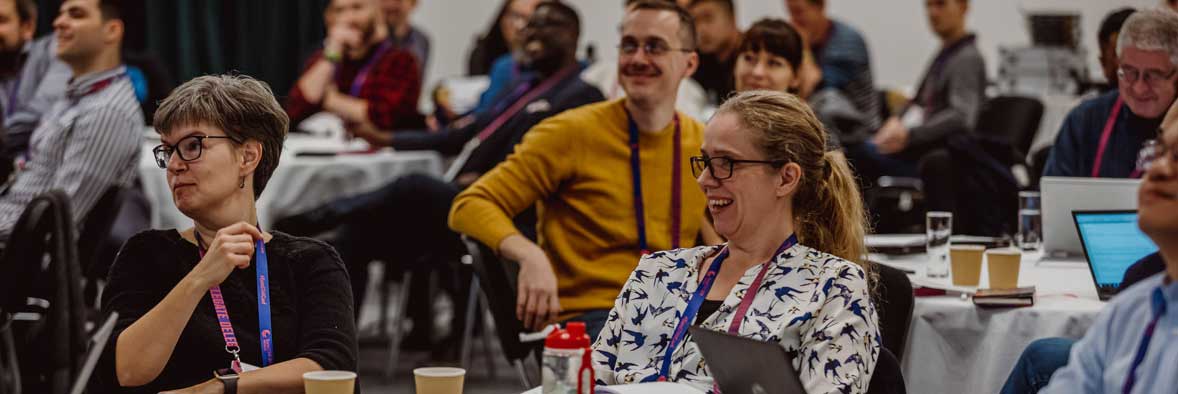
<point>793,271</point>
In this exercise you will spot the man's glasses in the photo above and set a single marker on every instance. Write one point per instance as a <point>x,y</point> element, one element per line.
<point>1131,75</point>
<point>721,167</point>
<point>1152,151</point>
<point>189,148</point>
<point>653,48</point>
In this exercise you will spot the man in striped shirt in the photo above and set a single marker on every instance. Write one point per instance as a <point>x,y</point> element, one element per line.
<point>89,140</point>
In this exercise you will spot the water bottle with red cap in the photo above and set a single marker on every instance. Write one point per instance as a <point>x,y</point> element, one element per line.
<point>568,368</point>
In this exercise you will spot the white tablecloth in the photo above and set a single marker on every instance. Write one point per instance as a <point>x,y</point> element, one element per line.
<point>956,347</point>
<point>300,182</point>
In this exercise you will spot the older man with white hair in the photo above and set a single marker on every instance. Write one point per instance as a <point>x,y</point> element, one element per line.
<point>1101,137</point>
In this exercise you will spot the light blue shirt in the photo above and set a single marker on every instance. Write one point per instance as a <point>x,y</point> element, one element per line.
<point>1101,360</point>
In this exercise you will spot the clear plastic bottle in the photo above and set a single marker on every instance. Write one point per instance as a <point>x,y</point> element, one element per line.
<point>568,367</point>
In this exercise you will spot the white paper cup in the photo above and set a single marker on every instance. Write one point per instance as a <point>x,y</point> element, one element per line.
<point>329,382</point>
<point>439,380</point>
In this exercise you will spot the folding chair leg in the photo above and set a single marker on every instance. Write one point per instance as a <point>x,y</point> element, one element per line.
<point>472,309</point>
<point>385,290</point>
<point>398,316</point>
<point>13,368</point>
<point>488,352</point>
<point>523,374</point>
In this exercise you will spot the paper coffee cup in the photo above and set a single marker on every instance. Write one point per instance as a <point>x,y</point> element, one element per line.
<point>439,380</point>
<point>329,382</point>
<point>966,264</point>
<point>1003,267</point>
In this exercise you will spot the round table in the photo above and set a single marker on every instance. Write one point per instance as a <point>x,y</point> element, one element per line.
<point>334,169</point>
<point>956,347</point>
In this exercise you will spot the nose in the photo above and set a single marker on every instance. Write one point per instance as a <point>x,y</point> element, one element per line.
<point>176,164</point>
<point>759,69</point>
<point>59,22</point>
<point>706,180</point>
<point>1139,87</point>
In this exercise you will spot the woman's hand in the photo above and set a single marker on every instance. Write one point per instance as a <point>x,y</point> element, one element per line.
<point>231,249</point>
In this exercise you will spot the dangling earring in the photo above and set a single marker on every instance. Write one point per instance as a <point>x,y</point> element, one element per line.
<point>242,186</point>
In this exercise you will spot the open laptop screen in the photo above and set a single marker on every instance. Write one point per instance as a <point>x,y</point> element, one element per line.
<point>1112,243</point>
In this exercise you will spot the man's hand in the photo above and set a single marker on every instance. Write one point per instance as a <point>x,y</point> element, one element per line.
<point>341,38</point>
<point>892,137</point>
<point>369,133</point>
<point>537,304</point>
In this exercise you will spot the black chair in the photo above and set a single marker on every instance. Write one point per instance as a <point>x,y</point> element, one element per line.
<point>894,303</point>
<point>41,304</point>
<point>496,280</point>
<point>1013,119</point>
<point>888,377</point>
<point>96,229</point>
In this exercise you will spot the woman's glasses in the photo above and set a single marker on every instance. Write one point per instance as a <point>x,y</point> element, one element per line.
<point>721,167</point>
<point>189,148</point>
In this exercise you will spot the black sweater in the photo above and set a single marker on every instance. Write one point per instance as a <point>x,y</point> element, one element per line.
<point>311,308</point>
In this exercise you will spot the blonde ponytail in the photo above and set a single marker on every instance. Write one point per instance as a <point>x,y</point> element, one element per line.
<point>829,213</point>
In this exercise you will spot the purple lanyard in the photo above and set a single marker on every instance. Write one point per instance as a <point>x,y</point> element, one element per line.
<point>676,185</point>
<point>522,96</point>
<point>362,76</point>
<point>1159,309</point>
<point>265,336</point>
<point>701,293</point>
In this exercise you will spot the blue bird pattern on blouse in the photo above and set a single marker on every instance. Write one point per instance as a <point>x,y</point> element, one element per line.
<point>814,304</point>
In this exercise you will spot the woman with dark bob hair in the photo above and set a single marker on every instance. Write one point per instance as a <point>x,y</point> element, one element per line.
<point>223,307</point>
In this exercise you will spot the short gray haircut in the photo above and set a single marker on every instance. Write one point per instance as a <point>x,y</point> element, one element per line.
<point>1151,30</point>
<point>243,107</point>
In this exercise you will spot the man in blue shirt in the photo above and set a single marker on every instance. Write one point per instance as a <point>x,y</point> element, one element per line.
<point>841,52</point>
<point>1133,345</point>
<point>1101,137</point>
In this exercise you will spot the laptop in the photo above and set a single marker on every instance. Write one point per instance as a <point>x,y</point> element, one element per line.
<point>1061,195</point>
<point>1112,242</point>
<point>747,366</point>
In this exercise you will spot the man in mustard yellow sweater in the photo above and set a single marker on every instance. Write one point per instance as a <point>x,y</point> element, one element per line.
<point>581,168</point>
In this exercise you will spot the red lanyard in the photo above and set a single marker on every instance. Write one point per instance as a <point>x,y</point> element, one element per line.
<point>676,185</point>
<point>1104,136</point>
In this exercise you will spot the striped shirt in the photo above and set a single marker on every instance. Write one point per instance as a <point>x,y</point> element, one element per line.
<point>846,66</point>
<point>86,143</point>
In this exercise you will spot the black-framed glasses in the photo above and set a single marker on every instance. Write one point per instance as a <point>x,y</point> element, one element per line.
<point>1152,151</point>
<point>653,48</point>
<point>189,148</point>
<point>1130,75</point>
<point>721,167</point>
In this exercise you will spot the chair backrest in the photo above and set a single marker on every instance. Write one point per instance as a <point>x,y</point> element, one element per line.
<point>888,377</point>
<point>53,351</point>
<point>1014,119</point>
<point>894,303</point>
<point>96,228</point>
<point>498,285</point>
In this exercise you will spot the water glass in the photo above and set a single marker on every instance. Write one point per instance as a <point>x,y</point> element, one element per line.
<point>1030,222</point>
<point>938,229</point>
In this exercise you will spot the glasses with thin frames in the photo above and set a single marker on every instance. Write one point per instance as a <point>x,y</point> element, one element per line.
<point>189,148</point>
<point>653,48</point>
<point>1130,75</point>
<point>721,168</point>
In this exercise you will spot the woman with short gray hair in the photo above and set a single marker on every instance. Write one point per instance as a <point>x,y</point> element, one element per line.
<point>224,305</point>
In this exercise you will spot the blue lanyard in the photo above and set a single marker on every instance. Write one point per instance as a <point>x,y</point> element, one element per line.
<point>676,185</point>
<point>701,293</point>
<point>266,337</point>
<point>1159,308</point>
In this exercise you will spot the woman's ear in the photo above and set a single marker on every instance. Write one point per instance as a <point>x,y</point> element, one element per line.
<point>790,175</point>
<point>251,156</point>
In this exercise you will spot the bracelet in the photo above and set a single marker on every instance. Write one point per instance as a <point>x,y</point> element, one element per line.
<point>333,57</point>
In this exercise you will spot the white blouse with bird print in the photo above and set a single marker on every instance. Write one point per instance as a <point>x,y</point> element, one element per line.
<point>814,304</point>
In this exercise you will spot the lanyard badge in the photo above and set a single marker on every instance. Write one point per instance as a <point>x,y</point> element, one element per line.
<point>265,336</point>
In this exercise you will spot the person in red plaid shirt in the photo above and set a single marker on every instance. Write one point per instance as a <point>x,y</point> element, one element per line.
<point>358,75</point>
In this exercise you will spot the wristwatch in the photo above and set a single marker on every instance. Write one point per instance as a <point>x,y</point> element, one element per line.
<point>228,378</point>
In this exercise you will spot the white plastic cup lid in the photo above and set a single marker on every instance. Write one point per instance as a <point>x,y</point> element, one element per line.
<point>329,375</point>
<point>439,372</point>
